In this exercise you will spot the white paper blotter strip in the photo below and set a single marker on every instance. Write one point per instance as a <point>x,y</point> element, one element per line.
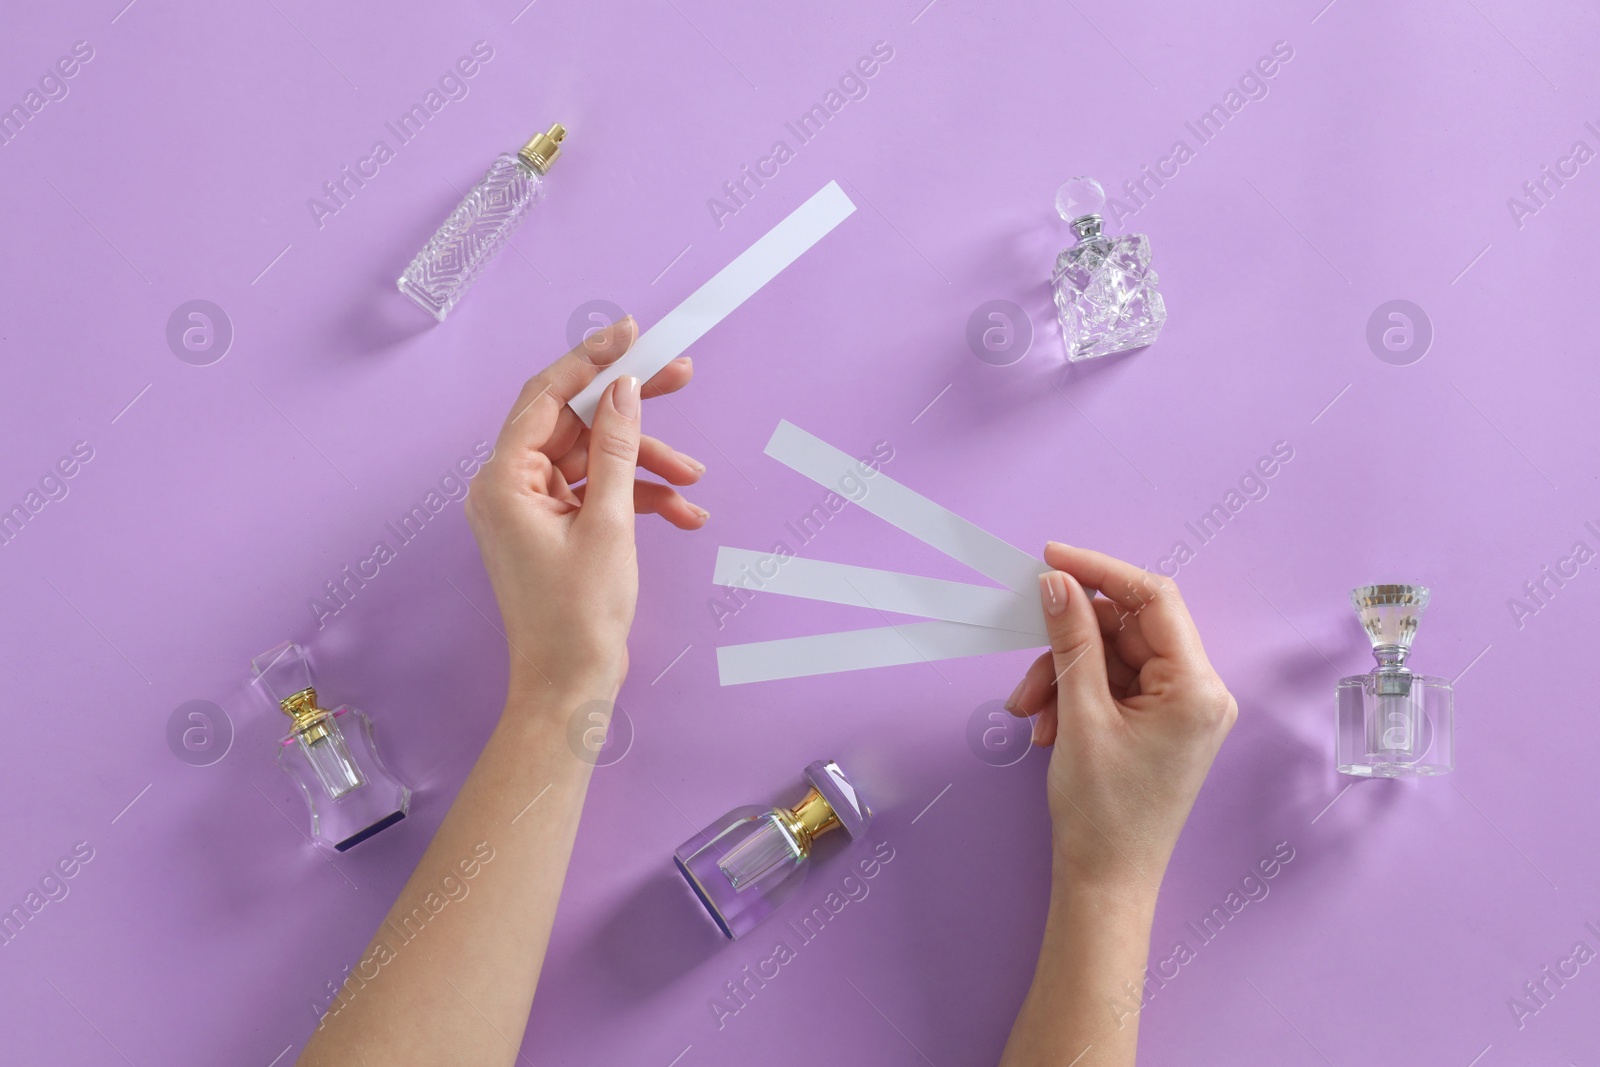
<point>717,298</point>
<point>855,650</point>
<point>909,510</point>
<point>866,587</point>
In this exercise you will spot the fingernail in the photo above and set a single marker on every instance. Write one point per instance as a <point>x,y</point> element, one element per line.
<point>1016,695</point>
<point>1056,544</point>
<point>1053,588</point>
<point>699,468</point>
<point>700,511</point>
<point>1033,737</point>
<point>626,396</point>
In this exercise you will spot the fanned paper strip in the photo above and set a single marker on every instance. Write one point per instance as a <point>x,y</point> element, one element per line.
<point>970,620</point>
<point>888,591</point>
<point>907,509</point>
<point>719,297</point>
<point>855,650</point>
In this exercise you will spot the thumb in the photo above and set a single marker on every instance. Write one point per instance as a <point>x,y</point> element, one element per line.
<point>1076,648</point>
<point>613,454</point>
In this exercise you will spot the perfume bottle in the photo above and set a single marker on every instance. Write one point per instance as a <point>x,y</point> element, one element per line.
<point>743,865</point>
<point>331,755</point>
<point>1104,288</point>
<point>481,225</point>
<point>1393,723</point>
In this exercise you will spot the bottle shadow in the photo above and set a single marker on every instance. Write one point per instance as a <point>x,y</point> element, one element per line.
<point>1017,265</point>
<point>379,321</point>
<point>656,935</point>
<point>380,317</point>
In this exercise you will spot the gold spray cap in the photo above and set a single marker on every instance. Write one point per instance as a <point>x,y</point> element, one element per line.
<point>544,148</point>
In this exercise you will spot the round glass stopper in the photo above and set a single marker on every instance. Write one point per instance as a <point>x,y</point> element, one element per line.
<point>1078,197</point>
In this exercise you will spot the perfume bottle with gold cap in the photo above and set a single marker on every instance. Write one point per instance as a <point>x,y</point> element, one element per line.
<point>743,865</point>
<point>480,225</point>
<point>331,754</point>
<point>1392,722</point>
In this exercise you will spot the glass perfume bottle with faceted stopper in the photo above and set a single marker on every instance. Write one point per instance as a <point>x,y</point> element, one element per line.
<point>1394,723</point>
<point>744,865</point>
<point>481,225</point>
<point>1105,291</point>
<point>332,755</point>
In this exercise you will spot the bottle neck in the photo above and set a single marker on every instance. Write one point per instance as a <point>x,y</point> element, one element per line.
<point>1392,658</point>
<point>810,819</point>
<point>1087,226</point>
<point>309,718</point>
<point>532,163</point>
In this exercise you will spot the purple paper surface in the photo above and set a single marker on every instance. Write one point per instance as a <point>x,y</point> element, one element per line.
<point>1425,153</point>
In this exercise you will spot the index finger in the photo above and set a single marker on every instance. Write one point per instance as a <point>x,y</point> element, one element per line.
<point>1164,620</point>
<point>542,402</point>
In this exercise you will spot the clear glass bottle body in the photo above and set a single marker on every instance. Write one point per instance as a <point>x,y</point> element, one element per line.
<point>1395,724</point>
<point>1106,296</point>
<point>349,791</point>
<point>331,755</point>
<point>742,867</point>
<point>746,864</point>
<point>476,230</point>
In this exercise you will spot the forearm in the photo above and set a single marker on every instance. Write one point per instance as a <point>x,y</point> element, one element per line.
<point>1082,1008</point>
<point>450,975</point>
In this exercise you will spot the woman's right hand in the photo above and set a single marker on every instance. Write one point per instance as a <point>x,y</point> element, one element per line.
<point>1135,712</point>
<point>553,514</point>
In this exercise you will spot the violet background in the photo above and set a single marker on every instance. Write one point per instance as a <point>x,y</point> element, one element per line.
<point>205,929</point>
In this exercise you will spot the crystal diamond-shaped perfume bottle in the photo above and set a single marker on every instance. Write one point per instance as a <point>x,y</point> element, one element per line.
<point>332,755</point>
<point>743,865</point>
<point>1393,723</point>
<point>481,225</point>
<point>1105,291</point>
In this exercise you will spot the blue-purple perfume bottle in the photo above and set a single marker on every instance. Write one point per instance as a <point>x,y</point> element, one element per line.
<point>744,865</point>
<point>331,754</point>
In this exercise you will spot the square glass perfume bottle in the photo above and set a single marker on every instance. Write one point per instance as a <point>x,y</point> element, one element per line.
<point>1393,723</point>
<point>744,865</point>
<point>1105,291</point>
<point>481,225</point>
<point>332,755</point>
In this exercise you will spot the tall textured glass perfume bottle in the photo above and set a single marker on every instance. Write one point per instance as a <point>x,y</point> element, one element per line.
<point>1104,289</point>
<point>743,865</point>
<point>1394,723</point>
<point>481,225</point>
<point>331,755</point>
